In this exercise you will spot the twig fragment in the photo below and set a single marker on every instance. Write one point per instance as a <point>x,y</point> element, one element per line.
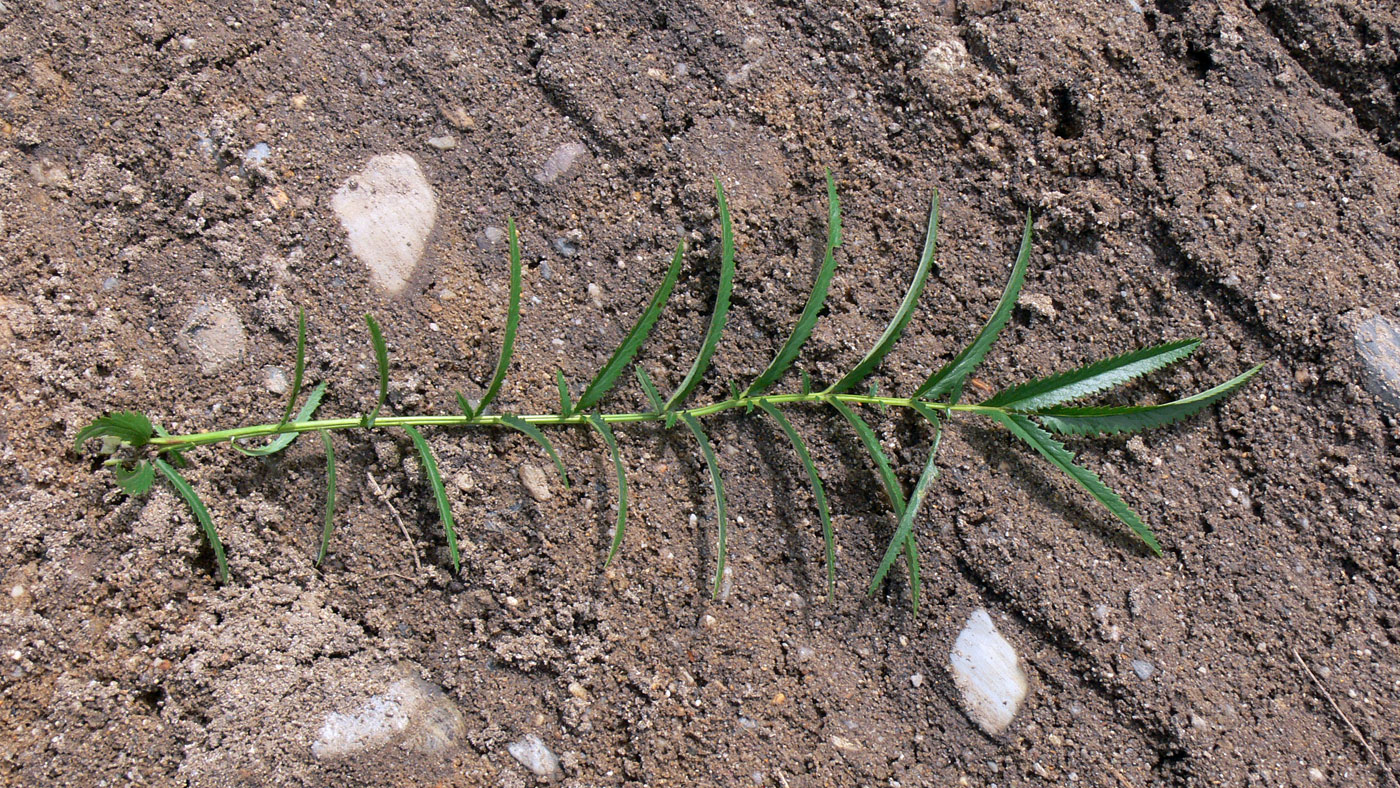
<point>1354,730</point>
<point>384,496</point>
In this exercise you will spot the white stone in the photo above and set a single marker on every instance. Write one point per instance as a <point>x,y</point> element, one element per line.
<point>417,715</point>
<point>987,673</point>
<point>532,753</point>
<point>388,210</point>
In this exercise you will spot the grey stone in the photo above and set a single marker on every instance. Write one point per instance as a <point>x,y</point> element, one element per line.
<point>1378,345</point>
<point>445,142</point>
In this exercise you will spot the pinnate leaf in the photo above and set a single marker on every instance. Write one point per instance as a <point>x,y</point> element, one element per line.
<point>517,423</point>
<point>129,427</point>
<point>607,376</point>
<point>601,427</point>
<point>137,480</point>
<point>381,357</point>
<point>818,491</point>
<point>285,439</point>
<point>722,549</point>
<point>1135,418</point>
<point>721,312</point>
<point>905,529</point>
<point>430,469</point>
<point>201,514</point>
<point>566,407</point>
<point>512,322</point>
<point>300,368</point>
<point>901,316</point>
<point>328,524</point>
<point>1093,378</point>
<point>649,388</point>
<point>892,490</point>
<point>808,320</point>
<point>949,379</point>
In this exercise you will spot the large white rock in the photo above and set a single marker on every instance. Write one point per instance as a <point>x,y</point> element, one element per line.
<point>987,673</point>
<point>417,715</point>
<point>388,210</point>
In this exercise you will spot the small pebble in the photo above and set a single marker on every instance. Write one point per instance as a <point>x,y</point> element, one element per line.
<point>1315,774</point>
<point>458,116</point>
<point>560,162</point>
<point>214,334</point>
<point>917,680</point>
<point>275,380</point>
<point>726,583</point>
<point>465,481</point>
<point>532,753</point>
<point>595,295</point>
<point>1038,305</point>
<point>412,713</point>
<point>445,142</point>
<point>1143,669</point>
<point>388,211</point>
<point>535,482</point>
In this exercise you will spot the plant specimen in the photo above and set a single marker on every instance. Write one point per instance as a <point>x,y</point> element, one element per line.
<point>138,449</point>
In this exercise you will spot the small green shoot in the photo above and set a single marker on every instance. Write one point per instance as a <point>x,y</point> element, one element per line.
<point>139,451</point>
<point>596,421</point>
<point>200,513</point>
<point>381,357</point>
<point>512,322</point>
<point>430,469</point>
<point>818,490</point>
<point>328,525</point>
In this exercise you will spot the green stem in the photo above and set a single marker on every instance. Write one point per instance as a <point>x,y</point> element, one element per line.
<point>166,443</point>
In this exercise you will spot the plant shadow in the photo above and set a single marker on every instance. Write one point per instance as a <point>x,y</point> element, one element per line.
<point>1041,480</point>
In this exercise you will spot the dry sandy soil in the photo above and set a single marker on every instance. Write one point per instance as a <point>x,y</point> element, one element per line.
<point>1226,170</point>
